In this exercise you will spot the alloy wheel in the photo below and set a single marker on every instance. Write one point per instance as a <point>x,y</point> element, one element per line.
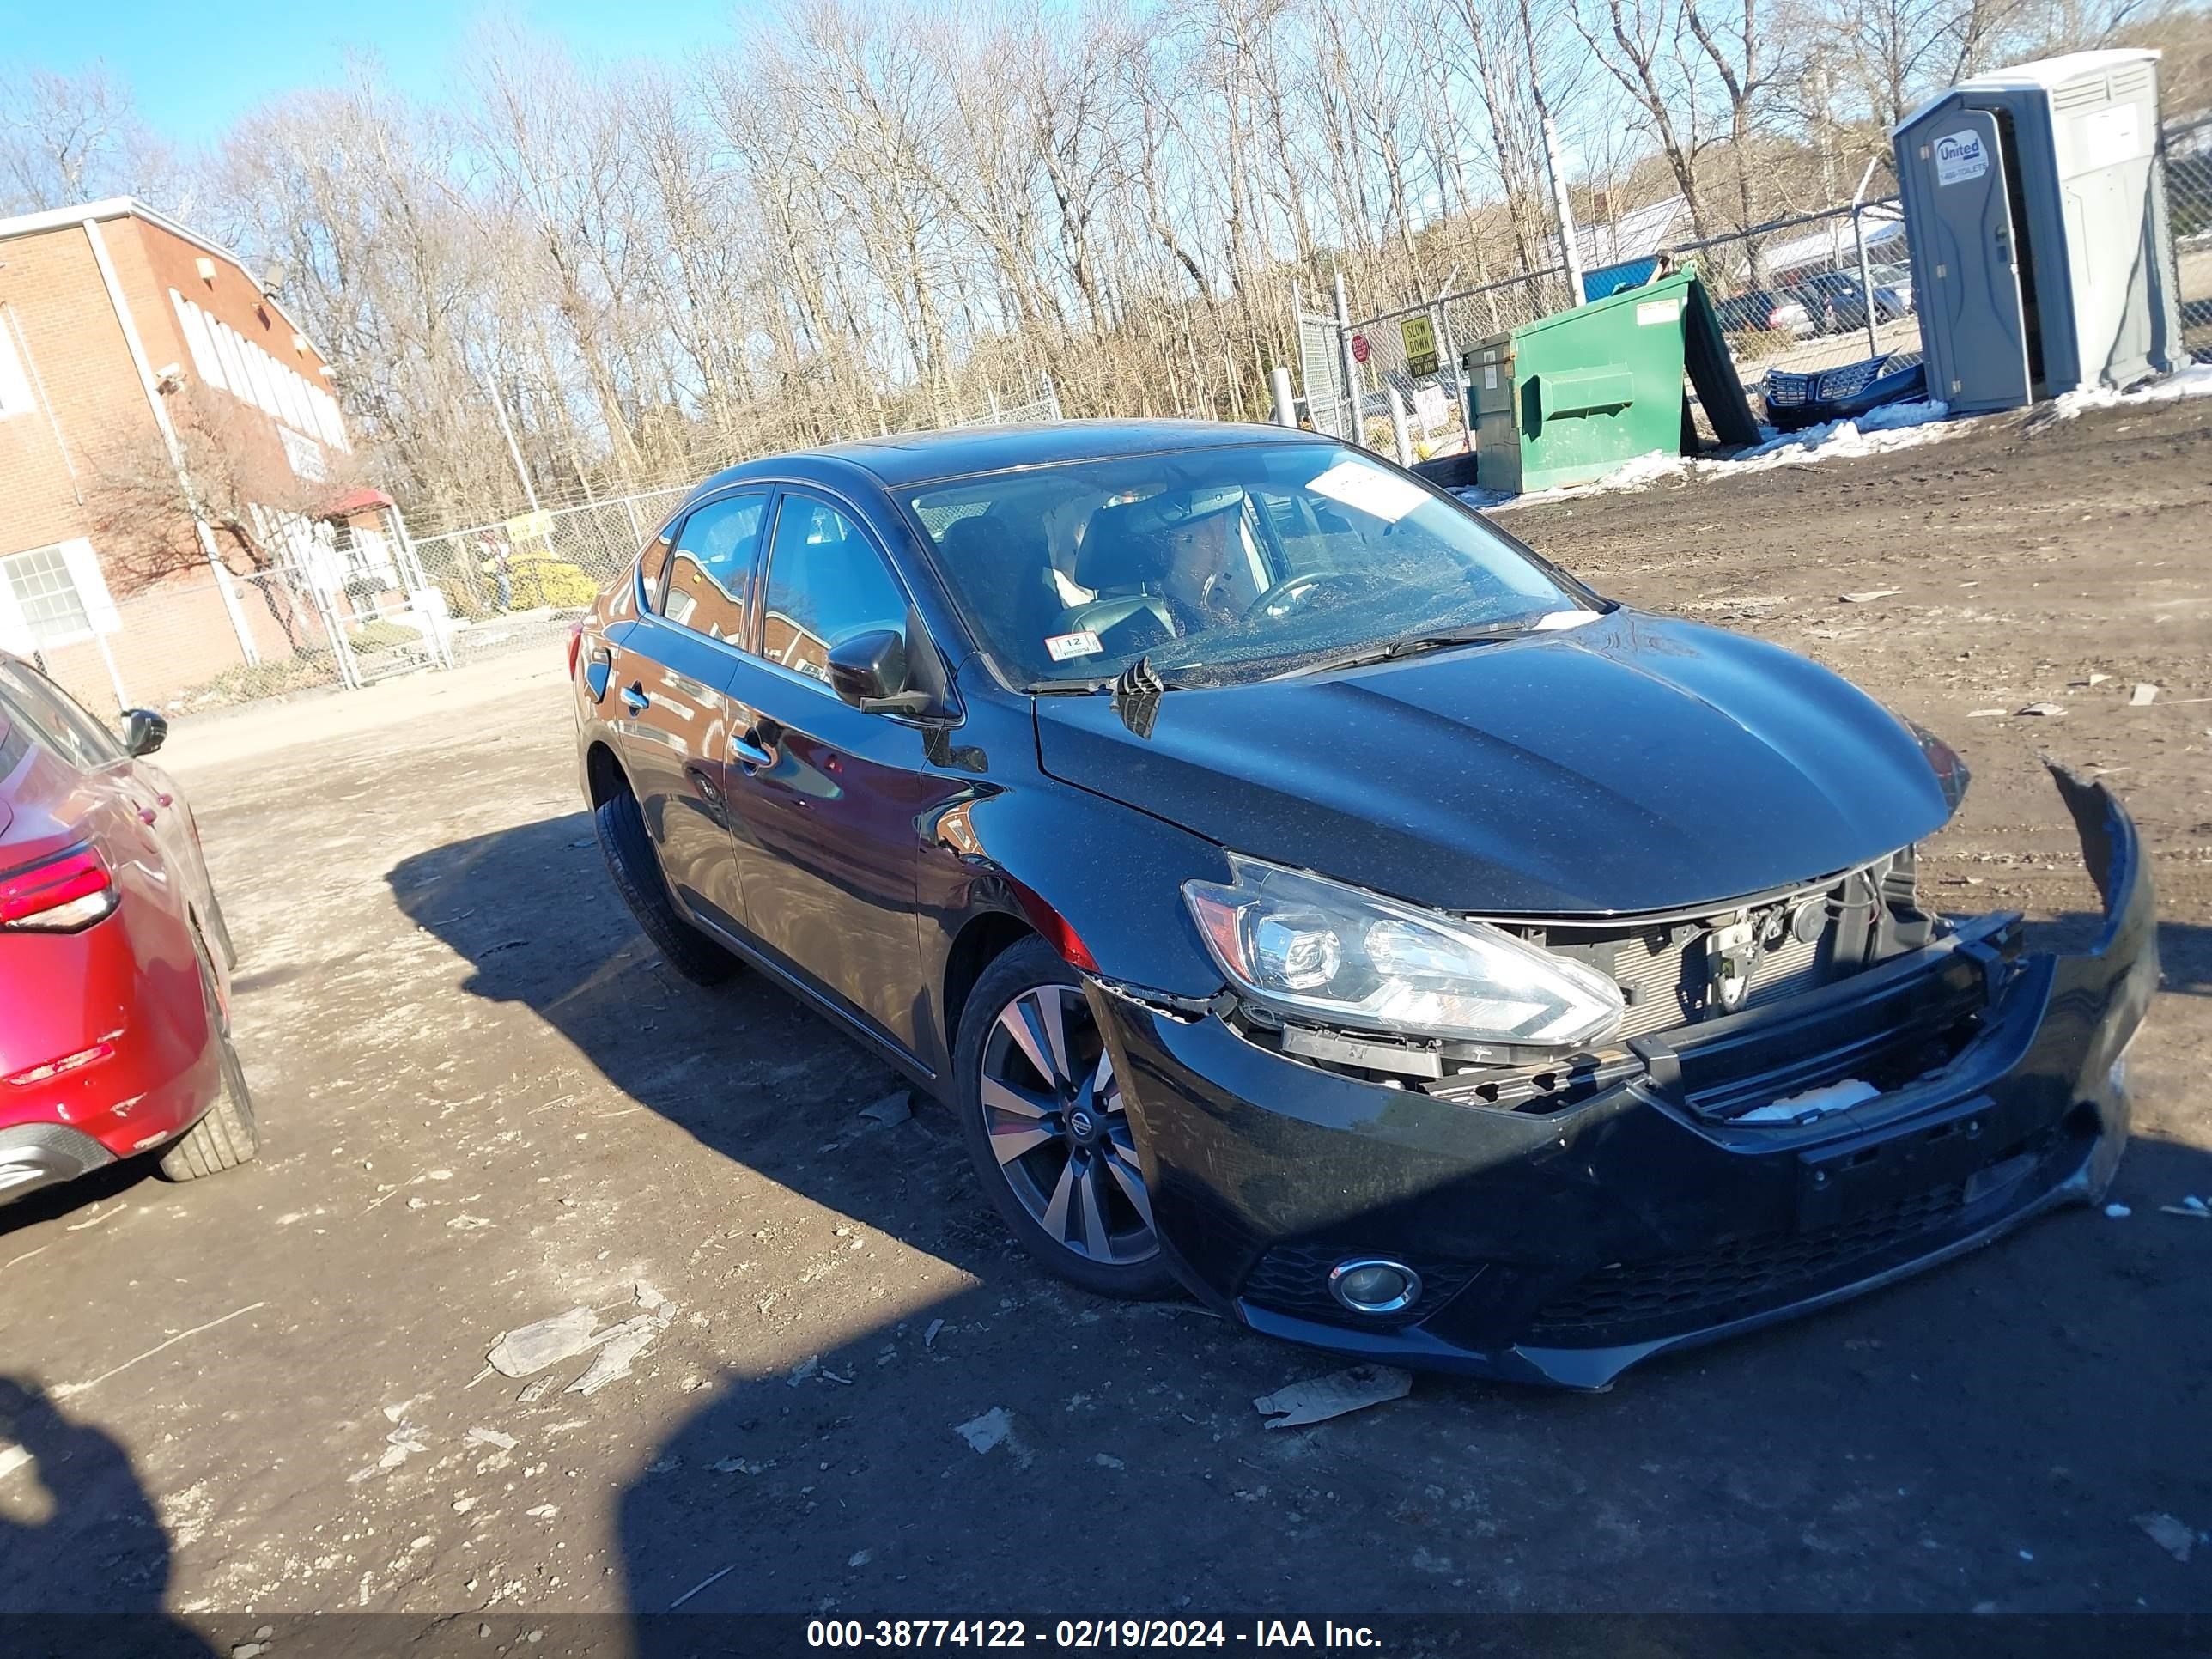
<point>1052,1110</point>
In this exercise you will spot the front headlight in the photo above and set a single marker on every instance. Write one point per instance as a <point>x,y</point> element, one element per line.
<point>1314,948</point>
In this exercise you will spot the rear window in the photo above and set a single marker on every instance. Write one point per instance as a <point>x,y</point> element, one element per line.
<point>55,719</point>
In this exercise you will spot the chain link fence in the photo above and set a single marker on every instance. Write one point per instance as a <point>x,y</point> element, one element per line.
<point>1044,405</point>
<point>1813,291</point>
<point>339,603</point>
<point>2189,203</point>
<point>1791,295</point>
<point>1801,294</point>
<point>1415,352</point>
<point>303,606</point>
<point>517,584</point>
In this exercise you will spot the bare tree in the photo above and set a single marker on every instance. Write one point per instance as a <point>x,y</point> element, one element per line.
<point>68,138</point>
<point>148,502</point>
<point>874,213</point>
<point>1638,43</point>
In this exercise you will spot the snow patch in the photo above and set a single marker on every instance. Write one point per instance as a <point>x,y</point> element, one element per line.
<point>1813,1102</point>
<point>1892,426</point>
<point>2193,381</point>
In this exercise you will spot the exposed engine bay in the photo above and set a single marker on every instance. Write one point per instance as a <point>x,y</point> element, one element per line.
<point>1674,970</point>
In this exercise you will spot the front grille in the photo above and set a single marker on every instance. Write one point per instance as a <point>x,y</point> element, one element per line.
<point>1293,1278</point>
<point>1663,978</point>
<point>1736,1277</point>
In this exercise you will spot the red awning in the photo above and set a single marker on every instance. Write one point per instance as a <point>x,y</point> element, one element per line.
<point>356,501</point>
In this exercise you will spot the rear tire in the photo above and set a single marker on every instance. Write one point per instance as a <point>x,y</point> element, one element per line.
<point>226,1136</point>
<point>636,876</point>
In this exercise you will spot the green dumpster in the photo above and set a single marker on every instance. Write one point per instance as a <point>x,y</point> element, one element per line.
<point>1567,399</point>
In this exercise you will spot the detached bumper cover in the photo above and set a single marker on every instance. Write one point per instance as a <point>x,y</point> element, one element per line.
<point>1563,1247</point>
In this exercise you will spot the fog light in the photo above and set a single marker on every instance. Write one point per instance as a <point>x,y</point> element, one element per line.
<point>1370,1285</point>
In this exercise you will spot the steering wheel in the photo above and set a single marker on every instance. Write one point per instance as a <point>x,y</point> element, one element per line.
<point>1295,589</point>
<point>1174,619</point>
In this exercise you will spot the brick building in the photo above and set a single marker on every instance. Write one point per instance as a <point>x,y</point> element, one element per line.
<point>115,324</point>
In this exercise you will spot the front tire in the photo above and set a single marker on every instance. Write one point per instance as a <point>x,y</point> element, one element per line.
<point>1042,1114</point>
<point>636,875</point>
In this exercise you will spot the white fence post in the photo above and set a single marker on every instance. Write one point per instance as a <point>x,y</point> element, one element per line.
<point>1355,412</point>
<point>1400,439</point>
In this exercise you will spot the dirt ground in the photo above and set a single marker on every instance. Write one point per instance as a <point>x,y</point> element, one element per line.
<point>485,1101</point>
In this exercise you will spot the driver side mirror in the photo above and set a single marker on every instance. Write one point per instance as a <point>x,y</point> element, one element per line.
<point>869,671</point>
<point>143,732</point>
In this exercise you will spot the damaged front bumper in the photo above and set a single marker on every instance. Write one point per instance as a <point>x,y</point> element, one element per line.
<point>1562,1246</point>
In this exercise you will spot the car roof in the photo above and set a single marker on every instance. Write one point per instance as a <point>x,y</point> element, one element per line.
<point>904,458</point>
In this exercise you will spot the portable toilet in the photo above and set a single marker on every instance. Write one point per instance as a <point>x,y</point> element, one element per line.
<point>2042,260</point>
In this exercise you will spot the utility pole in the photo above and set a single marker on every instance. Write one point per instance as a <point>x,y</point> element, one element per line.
<point>1569,255</point>
<point>513,449</point>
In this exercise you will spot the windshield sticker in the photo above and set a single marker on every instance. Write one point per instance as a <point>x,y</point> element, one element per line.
<point>1081,643</point>
<point>1559,619</point>
<point>1370,490</point>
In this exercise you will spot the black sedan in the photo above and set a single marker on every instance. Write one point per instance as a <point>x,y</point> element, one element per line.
<point>1303,893</point>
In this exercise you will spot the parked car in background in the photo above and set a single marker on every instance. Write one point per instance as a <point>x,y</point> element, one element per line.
<point>114,959</point>
<point>1897,279</point>
<point>1764,311</point>
<point>1836,301</point>
<point>1301,891</point>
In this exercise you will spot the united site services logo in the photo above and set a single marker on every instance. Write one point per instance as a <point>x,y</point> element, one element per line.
<point>1960,156</point>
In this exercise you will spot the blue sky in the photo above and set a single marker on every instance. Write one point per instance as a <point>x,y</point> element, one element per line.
<point>196,69</point>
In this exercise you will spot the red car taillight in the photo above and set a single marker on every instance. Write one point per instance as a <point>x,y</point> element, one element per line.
<point>58,897</point>
<point>576,645</point>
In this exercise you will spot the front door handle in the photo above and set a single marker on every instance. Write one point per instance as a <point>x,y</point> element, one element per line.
<point>635,700</point>
<point>749,754</point>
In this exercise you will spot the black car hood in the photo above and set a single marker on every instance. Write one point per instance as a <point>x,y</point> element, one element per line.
<point>1634,763</point>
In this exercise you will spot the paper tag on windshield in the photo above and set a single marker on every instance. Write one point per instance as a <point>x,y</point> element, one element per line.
<point>1559,619</point>
<point>1081,643</point>
<point>1370,490</point>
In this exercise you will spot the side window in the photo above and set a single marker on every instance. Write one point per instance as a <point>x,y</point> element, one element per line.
<point>710,567</point>
<point>56,720</point>
<point>652,566</point>
<point>825,584</point>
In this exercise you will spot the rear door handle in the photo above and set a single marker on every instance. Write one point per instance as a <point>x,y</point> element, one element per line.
<point>749,753</point>
<point>635,700</point>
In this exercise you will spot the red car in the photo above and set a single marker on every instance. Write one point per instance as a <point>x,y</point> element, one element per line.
<point>114,960</point>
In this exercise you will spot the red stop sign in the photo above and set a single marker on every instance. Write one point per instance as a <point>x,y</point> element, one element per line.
<point>1359,347</point>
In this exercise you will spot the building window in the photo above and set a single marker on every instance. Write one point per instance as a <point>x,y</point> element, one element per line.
<point>226,358</point>
<point>45,594</point>
<point>304,454</point>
